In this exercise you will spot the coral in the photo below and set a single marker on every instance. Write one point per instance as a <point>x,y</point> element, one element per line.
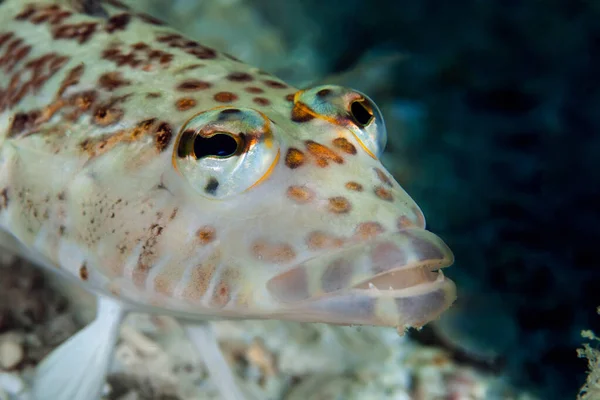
<point>591,389</point>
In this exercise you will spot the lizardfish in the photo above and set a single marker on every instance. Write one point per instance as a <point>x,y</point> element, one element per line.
<point>168,177</point>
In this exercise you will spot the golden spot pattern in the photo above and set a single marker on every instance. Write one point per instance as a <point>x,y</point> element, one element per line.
<point>300,194</point>
<point>206,234</point>
<point>294,158</point>
<point>354,186</point>
<point>185,103</point>
<point>319,240</point>
<point>383,193</point>
<point>368,230</point>
<point>225,97</point>
<point>322,154</point>
<point>344,145</point>
<point>276,253</point>
<point>339,205</point>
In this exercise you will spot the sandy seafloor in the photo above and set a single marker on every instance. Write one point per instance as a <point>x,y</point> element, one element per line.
<point>272,359</point>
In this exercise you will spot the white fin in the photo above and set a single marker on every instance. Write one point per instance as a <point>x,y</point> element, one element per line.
<point>205,341</point>
<point>77,369</point>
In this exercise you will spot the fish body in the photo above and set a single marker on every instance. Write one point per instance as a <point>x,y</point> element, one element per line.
<point>173,178</point>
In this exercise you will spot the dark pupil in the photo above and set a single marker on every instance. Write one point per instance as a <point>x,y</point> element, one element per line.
<point>360,113</point>
<point>219,145</point>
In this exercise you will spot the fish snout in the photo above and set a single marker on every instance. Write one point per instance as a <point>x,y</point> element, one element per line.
<point>391,280</point>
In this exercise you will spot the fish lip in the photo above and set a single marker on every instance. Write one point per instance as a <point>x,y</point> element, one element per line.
<point>424,274</point>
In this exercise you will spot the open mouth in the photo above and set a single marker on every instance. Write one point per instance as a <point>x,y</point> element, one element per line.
<point>393,279</point>
<point>401,279</point>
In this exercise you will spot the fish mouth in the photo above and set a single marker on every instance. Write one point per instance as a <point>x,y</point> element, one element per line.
<point>391,280</point>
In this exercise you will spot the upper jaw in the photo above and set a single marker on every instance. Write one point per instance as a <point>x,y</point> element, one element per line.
<point>393,279</point>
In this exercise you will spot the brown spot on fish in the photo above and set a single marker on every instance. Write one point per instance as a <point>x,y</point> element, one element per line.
<point>189,68</point>
<point>336,276</point>
<point>300,194</point>
<point>193,85</point>
<point>150,19</point>
<point>142,56</point>
<point>185,103</point>
<point>4,37</point>
<point>83,100</point>
<point>221,295</point>
<point>189,46</point>
<point>140,46</point>
<point>339,205</point>
<point>290,97</point>
<point>383,177</point>
<point>404,222</point>
<point>38,14</point>
<point>275,84</point>
<point>344,145</point>
<point>240,77</point>
<point>276,253</point>
<point>98,146</point>
<point>82,32</point>
<point>112,80</point>
<point>261,101</point>
<point>254,90</point>
<point>322,153</point>
<point>301,113</point>
<point>324,92</point>
<point>72,78</point>
<point>206,234</point>
<point>83,272</point>
<point>319,240</point>
<point>225,97</point>
<point>354,186</point>
<point>383,193</point>
<point>368,230</point>
<point>4,199</point>
<point>16,50</point>
<point>294,158</point>
<point>22,122</point>
<point>200,277</point>
<point>148,255</point>
<point>118,22</point>
<point>163,136</point>
<point>203,53</point>
<point>153,95</point>
<point>107,115</point>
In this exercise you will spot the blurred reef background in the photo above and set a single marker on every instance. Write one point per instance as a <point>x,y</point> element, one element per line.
<point>493,114</point>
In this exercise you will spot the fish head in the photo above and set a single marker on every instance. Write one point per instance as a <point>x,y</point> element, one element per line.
<point>306,223</point>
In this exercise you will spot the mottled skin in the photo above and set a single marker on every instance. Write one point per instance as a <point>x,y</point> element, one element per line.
<point>103,115</point>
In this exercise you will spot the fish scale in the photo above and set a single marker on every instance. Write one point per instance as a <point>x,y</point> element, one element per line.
<point>169,177</point>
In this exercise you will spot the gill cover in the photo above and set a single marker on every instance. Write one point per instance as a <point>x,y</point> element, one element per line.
<point>225,151</point>
<point>349,108</point>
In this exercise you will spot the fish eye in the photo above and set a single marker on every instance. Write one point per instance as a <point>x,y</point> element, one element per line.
<point>222,152</point>
<point>360,113</point>
<point>349,108</point>
<point>221,144</point>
